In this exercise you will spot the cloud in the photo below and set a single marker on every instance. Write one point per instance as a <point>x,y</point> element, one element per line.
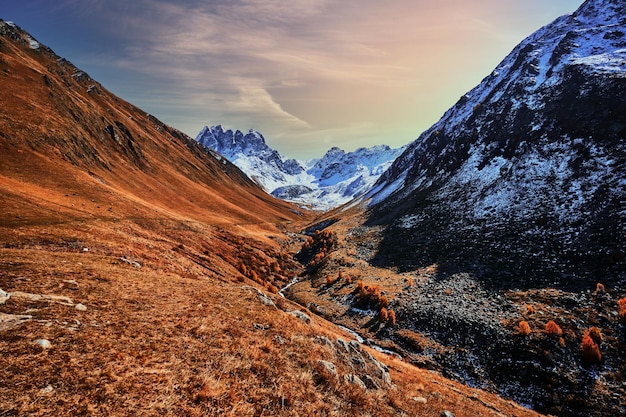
<point>301,70</point>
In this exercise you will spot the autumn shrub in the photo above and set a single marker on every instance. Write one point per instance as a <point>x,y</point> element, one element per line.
<point>590,351</point>
<point>553,328</point>
<point>330,280</point>
<point>622,309</point>
<point>529,309</point>
<point>595,334</point>
<point>600,288</point>
<point>316,247</point>
<point>243,269</point>
<point>391,317</point>
<point>383,316</point>
<point>369,296</point>
<point>524,328</point>
<point>409,281</point>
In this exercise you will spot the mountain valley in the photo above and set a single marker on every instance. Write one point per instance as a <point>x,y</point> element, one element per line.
<point>478,271</point>
<point>136,280</point>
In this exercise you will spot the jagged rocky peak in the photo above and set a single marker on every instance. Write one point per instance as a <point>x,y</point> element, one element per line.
<point>230,143</point>
<point>523,178</point>
<point>322,183</point>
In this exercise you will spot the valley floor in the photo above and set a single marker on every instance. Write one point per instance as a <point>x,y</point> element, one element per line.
<point>141,317</point>
<point>449,323</point>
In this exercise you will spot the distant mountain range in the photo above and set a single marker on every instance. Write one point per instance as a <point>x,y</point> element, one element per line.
<point>321,184</point>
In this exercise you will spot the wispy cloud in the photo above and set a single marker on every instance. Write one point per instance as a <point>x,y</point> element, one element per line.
<point>306,71</point>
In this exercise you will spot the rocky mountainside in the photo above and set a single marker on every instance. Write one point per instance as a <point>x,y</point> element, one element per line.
<point>321,184</point>
<point>523,180</point>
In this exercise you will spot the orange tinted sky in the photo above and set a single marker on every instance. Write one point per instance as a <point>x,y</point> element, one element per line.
<point>307,74</point>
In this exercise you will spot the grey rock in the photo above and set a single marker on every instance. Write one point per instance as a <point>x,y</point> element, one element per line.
<point>342,346</point>
<point>446,413</point>
<point>354,379</point>
<point>370,382</point>
<point>43,343</point>
<point>330,367</point>
<point>300,315</point>
<point>4,296</point>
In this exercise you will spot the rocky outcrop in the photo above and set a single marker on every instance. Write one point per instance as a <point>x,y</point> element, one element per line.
<point>361,368</point>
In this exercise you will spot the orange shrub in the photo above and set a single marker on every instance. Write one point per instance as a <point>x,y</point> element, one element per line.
<point>330,280</point>
<point>370,296</point>
<point>595,334</point>
<point>409,281</point>
<point>529,309</point>
<point>348,279</point>
<point>590,350</point>
<point>524,328</point>
<point>383,317</point>
<point>553,328</point>
<point>600,288</point>
<point>391,317</point>
<point>622,309</point>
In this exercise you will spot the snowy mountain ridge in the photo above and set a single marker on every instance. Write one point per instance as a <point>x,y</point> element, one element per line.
<point>321,184</point>
<point>525,174</point>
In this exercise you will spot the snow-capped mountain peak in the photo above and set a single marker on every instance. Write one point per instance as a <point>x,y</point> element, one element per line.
<point>321,184</point>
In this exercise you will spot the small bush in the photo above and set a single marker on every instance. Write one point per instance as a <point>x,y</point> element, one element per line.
<point>409,281</point>
<point>590,351</point>
<point>553,328</point>
<point>529,309</point>
<point>383,316</point>
<point>595,334</point>
<point>524,328</point>
<point>391,318</point>
<point>622,309</point>
<point>369,296</point>
<point>600,288</point>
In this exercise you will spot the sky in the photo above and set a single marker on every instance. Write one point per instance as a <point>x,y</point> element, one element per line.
<point>307,74</point>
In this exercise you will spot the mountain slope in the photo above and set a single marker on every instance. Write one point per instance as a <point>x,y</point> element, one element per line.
<point>523,180</point>
<point>322,184</point>
<point>137,273</point>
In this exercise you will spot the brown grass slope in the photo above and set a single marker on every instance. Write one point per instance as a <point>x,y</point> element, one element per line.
<point>137,273</point>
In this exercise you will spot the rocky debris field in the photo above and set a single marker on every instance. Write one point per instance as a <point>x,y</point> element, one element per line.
<point>453,324</point>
